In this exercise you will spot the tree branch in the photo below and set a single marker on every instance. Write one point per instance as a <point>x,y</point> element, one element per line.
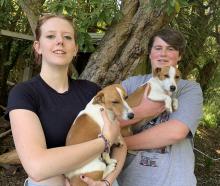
<point>2,135</point>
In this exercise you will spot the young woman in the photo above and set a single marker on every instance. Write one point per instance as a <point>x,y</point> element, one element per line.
<point>42,110</point>
<point>164,146</point>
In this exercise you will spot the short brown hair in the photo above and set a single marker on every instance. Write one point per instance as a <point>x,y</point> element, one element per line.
<point>173,37</point>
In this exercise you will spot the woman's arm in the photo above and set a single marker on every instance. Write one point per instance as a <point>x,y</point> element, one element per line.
<point>38,161</point>
<point>119,153</point>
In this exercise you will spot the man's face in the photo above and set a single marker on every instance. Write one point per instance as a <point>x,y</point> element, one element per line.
<point>162,54</point>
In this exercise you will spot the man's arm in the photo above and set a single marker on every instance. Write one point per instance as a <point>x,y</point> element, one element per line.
<point>167,133</point>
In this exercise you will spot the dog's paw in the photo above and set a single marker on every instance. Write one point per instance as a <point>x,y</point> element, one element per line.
<point>119,141</point>
<point>175,104</point>
<point>109,169</point>
<point>169,109</point>
<point>112,162</point>
<point>118,144</point>
<point>108,160</point>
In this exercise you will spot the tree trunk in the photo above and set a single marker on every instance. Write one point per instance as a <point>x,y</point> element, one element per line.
<point>4,70</point>
<point>124,46</point>
<point>32,9</point>
<point>10,158</point>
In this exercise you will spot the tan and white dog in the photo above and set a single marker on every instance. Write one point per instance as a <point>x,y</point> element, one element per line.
<point>89,124</point>
<point>161,87</point>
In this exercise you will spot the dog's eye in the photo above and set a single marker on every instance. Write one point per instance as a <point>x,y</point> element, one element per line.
<point>166,76</point>
<point>115,102</point>
<point>126,97</point>
<point>177,77</point>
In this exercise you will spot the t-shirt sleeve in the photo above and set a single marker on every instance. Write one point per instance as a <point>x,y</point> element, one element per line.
<point>88,88</point>
<point>94,88</point>
<point>132,83</point>
<point>190,103</point>
<point>21,97</point>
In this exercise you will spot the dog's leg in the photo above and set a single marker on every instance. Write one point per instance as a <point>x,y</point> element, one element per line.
<point>168,104</point>
<point>111,164</point>
<point>110,168</point>
<point>106,157</point>
<point>119,142</point>
<point>158,96</point>
<point>108,160</point>
<point>175,104</point>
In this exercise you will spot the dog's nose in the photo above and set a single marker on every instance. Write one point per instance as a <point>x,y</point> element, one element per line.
<point>130,115</point>
<point>172,88</point>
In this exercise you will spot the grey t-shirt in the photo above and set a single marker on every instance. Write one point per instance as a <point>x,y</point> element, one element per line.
<point>175,165</point>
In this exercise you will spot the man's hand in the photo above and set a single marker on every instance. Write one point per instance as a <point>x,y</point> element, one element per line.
<point>148,108</point>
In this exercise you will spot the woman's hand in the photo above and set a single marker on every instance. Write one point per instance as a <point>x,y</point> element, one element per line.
<point>110,130</point>
<point>91,182</point>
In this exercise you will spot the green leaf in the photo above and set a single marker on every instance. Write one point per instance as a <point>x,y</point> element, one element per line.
<point>2,3</point>
<point>172,3</point>
<point>7,63</point>
<point>177,6</point>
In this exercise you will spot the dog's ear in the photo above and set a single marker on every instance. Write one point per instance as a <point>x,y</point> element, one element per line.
<point>99,98</point>
<point>156,71</point>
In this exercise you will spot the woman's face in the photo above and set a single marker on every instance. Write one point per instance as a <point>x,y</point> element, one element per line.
<point>162,54</point>
<point>56,44</point>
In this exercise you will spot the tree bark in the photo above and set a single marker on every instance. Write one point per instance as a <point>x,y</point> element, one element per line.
<point>4,70</point>
<point>124,46</point>
<point>32,8</point>
<point>10,158</point>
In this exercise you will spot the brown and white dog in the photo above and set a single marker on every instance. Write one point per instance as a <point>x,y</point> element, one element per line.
<point>89,124</point>
<point>161,87</point>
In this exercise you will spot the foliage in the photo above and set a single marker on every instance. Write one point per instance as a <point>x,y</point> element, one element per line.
<point>172,6</point>
<point>198,23</point>
<point>211,116</point>
<point>89,16</point>
<point>212,102</point>
<point>12,19</point>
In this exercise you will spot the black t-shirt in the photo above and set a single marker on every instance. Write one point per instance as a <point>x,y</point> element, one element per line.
<point>56,111</point>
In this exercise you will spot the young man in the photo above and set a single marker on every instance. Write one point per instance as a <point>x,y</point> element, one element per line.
<point>163,147</point>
